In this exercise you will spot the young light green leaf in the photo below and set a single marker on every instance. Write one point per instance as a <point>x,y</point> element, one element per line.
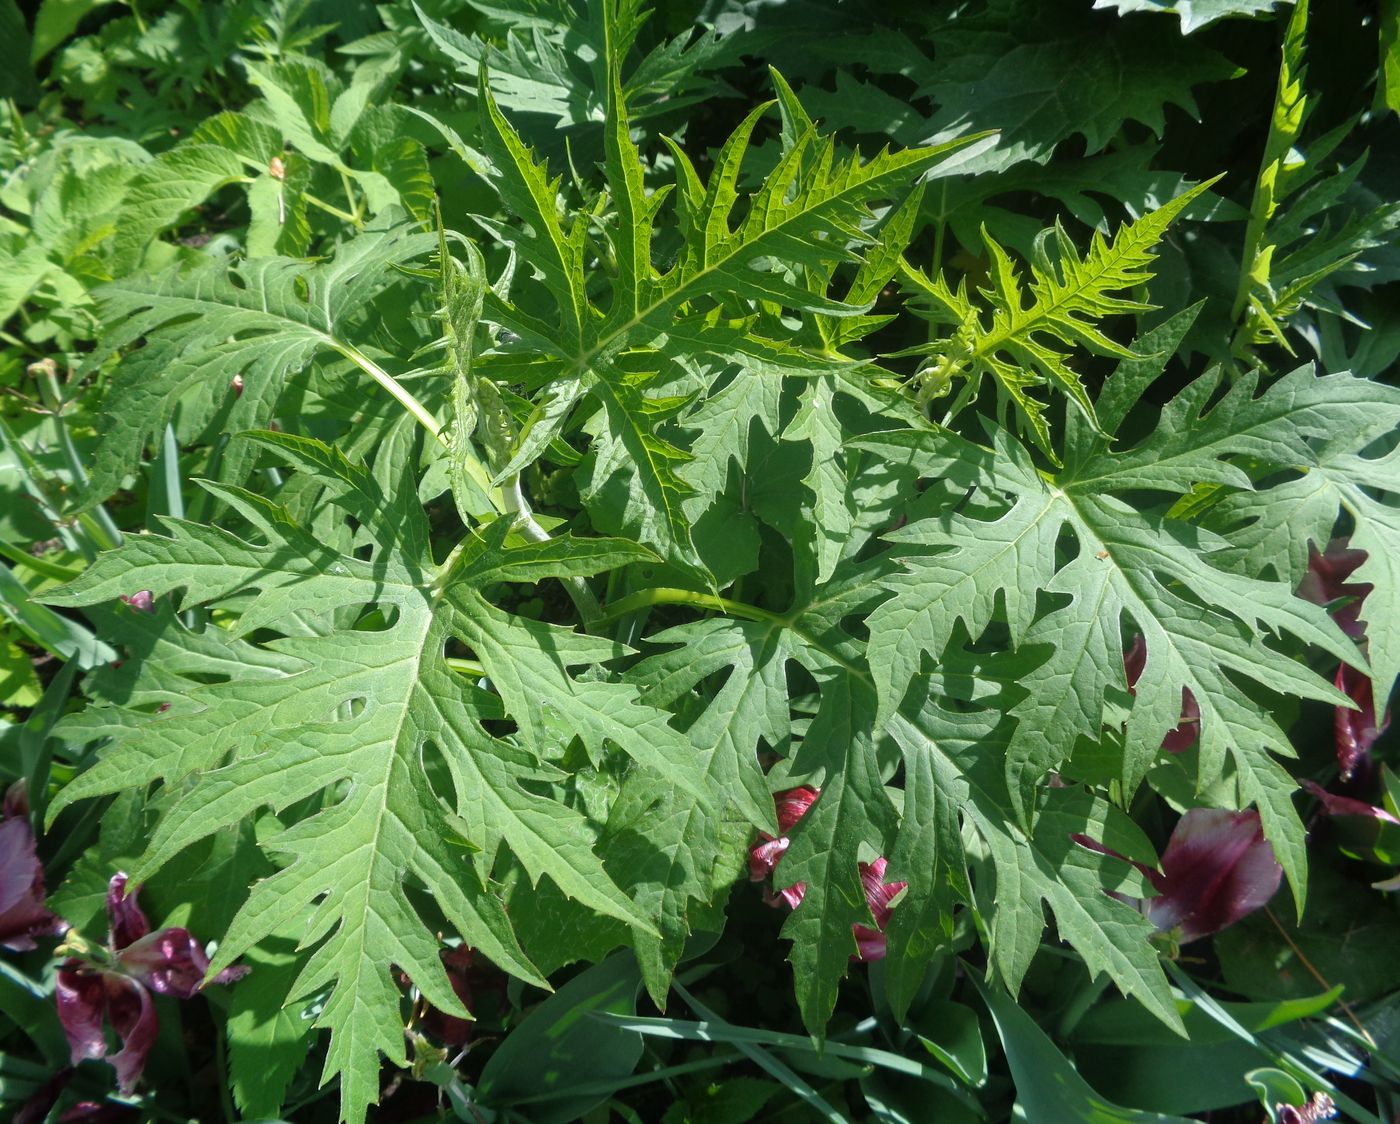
<point>1022,344</point>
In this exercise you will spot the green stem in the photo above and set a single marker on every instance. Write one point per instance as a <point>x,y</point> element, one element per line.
<point>645,598</point>
<point>99,524</point>
<point>465,667</point>
<point>330,208</point>
<point>357,217</point>
<point>474,468</point>
<point>513,503</point>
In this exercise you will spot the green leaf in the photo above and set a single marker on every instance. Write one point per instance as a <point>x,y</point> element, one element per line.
<point>268,1041</point>
<point>852,813</point>
<point>1005,68</point>
<point>1021,345</point>
<point>817,425</point>
<point>163,190</point>
<point>1047,1085</point>
<point>806,215</point>
<point>952,1034</point>
<point>1130,571</point>
<point>302,714</point>
<point>1195,14</point>
<point>19,685</point>
<point>56,20</point>
<point>560,1049</point>
<point>677,854</point>
<point>1045,866</point>
<point>1388,87</point>
<point>262,321</point>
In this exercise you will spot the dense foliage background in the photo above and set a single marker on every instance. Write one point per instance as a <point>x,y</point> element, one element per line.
<point>561,510</point>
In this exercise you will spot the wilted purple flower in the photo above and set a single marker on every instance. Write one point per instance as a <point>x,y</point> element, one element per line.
<point>39,1106</point>
<point>1363,830</point>
<point>1184,735</point>
<point>137,963</point>
<point>1217,868</point>
<point>471,980</point>
<point>22,913</point>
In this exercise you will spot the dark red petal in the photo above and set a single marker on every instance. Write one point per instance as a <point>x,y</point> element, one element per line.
<point>449,1029</point>
<point>40,1103</point>
<point>124,914</point>
<point>133,1015</point>
<point>870,943</point>
<point>1216,869</point>
<point>1184,736</point>
<point>878,893</point>
<point>1134,660</point>
<point>793,804</point>
<point>1336,805</point>
<point>169,962</point>
<point>1356,730</point>
<point>81,999</point>
<point>1326,581</point>
<point>143,601</point>
<point>231,975</point>
<point>19,863</point>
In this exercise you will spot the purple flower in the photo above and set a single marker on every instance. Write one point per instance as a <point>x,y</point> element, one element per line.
<point>1363,831</point>
<point>1321,1107</point>
<point>1189,729</point>
<point>472,980</point>
<point>137,963</point>
<point>22,913</point>
<point>1217,868</point>
<point>39,1106</point>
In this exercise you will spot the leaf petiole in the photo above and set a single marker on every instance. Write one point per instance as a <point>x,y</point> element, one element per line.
<point>645,598</point>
